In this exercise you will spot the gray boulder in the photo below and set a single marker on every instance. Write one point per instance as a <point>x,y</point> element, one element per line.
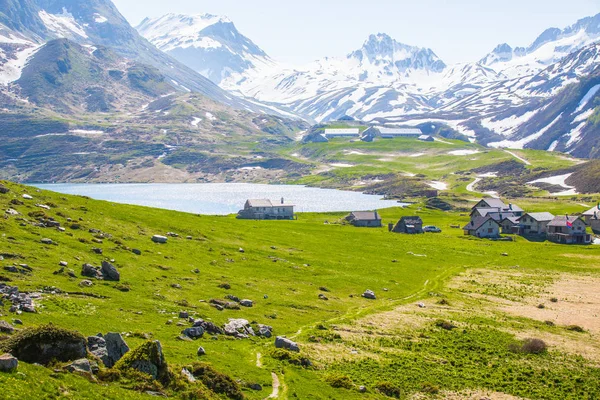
<point>201,351</point>
<point>4,189</point>
<point>110,272</point>
<point>137,252</point>
<point>265,330</point>
<point>159,239</point>
<point>116,348</point>
<point>184,314</point>
<point>90,271</point>
<point>82,365</point>
<point>369,294</point>
<point>46,241</point>
<point>239,328</point>
<point>11,211</point>
<point>246,303</point>
<point>5,327</point>
<point>97,346</point>
<point>194,333</point>
<point>285,343</point>
<point>188,375</point>
<point>8,363</point>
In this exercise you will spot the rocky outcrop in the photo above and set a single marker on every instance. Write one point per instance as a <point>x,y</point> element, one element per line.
<point>148,359</point>
<point>285,343</point>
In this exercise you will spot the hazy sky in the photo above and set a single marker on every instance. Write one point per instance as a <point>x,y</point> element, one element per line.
<point>303,31</point>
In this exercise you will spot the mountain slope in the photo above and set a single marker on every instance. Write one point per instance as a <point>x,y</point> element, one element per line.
<point>209,44</point>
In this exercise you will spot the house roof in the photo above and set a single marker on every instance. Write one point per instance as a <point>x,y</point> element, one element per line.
<point>497,203</point>
<point>514,220</point>
<point>399,131</point>
<point>351,131</point>
<point>540,216</point>
<point>500,216</point>
<point>365,215</point>
<point>267,203</point>
<point>485,211</point>
<point>411,220</point>
<point>478,222</point>
<point>592,211</point>
<point>561,220</point>
<point>424,137</point>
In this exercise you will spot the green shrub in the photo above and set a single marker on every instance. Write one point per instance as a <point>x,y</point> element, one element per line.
<point>389,389</point>
<point>216,381</point>
<point>529,346</point>
<point>575,328</point>
<point>447,325</point>
<point>339,381</point>
<point>430,388</point>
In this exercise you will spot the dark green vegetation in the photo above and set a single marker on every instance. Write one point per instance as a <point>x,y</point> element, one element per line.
<point>284,267</point>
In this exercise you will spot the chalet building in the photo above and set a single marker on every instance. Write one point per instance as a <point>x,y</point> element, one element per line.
<point>497,205</point>
<point>592,214</point>
<point>483,227</point>
<point>389,133</point>
<point>370,219</point>
<point>266,209</point>
<point>409,225</point>
<point>568,230</point>
<point>341,133</point>
<point>535,224</point>
<point>509,225</point>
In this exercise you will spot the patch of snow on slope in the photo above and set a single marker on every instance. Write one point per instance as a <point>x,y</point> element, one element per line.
<point>575,134</point>
<point>518,158</point>
<point>62,24</point>
<point>100,19</point>
<point>507,127</point>
<point>584,115</point>
<point>463,152</point>
<point>559,180</point>
<point>210,116</point>
<point>588,96</point>
<point>196,121</point>
<point>553,146</point>
<point>438,185</point>
<point>11,70</point>
<point>519,144</point>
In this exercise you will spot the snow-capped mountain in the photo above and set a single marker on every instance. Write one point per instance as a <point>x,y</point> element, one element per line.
<point>550,47</point>
<point>209,44</point>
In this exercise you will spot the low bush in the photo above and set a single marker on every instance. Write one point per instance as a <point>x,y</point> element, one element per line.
<point>447,325</point>
<point>529,346</point>
<point>575,328</point>
<point>339,381</point>
<point>389,389</point>
<point>216,381</point>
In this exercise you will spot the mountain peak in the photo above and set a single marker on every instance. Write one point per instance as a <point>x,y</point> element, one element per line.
<point>381,48</point>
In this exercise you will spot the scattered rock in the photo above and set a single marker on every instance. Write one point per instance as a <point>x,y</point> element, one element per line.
<point>194,332</point>
<point>159,239</point>
<point>27,197</point>
<point>86,283</point>
<point>201,351</point>
<point>97,346</point>
<point>136,252</point>
<point>196,271</point>
<point>11,211</point>
<point>5,327</point>
<point>323,297</point>
<point>176,286</point>
<point>255,386</point>
<point>4,189</point>
<point>241,250</point>
<point>226,286</point>
<point>17,322</point>
<point>169,322</point>
<point>184,314</point>
<point>46,241</point>
<point>233,298</point>
<point>246,303</point>
<point>208,327</point>
<point>116,347</point>
<point>91,271</point>
<point>188,375</point>
<point>362,389</point>
<point>239,328</point>
<point>63,263</point>
<point>148,359</point>
<point>265,330</point>
<point>421,305</point>
<point>504,254</point>
<point>8,363</point>
<point>110,272</point>
<point>172,234</point>
<point>47,343</point>
<point>82,365</point>
<point>369,294</point>
<point>285,343</point>
<point>97,250</point>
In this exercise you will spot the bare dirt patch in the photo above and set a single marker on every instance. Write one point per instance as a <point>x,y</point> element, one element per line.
<point>468,395</point>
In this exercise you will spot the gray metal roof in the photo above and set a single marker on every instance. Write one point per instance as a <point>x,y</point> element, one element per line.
<point>478,222</point>
<point>351,131</point>
<point>267,203</point>
<point>399,131</point>
<point>592,211</point>
<point>540,216</point>
<point>561,220</point>
<point>365,216</point>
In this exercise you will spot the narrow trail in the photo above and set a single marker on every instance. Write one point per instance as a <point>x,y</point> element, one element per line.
<point>471,186</point>
<point>259,360</point>
<point>518,158</point>
<point>275,393</point>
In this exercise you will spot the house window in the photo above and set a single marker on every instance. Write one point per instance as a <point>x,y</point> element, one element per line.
<point>490,230</point>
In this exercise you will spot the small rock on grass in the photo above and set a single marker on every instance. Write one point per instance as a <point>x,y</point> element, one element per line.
<point>8,363</point>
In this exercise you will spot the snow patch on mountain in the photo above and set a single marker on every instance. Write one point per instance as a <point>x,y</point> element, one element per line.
<point>588,96</point>
<point>63,24</point>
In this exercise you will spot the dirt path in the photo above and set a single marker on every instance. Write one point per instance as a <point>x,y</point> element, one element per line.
<point>518,158</point>
<point>276,385</point>
<point>259,360</point>
<point>471,186</point>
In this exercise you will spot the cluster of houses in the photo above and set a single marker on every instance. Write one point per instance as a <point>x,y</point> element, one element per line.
<point>371,134</point>
<point>491,217</point>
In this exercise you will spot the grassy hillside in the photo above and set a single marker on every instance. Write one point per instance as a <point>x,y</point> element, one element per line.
<point>283,267</point>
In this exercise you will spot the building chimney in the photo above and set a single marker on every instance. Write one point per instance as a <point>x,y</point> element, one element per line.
<point>510,206</point>
<point>282,200</point>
